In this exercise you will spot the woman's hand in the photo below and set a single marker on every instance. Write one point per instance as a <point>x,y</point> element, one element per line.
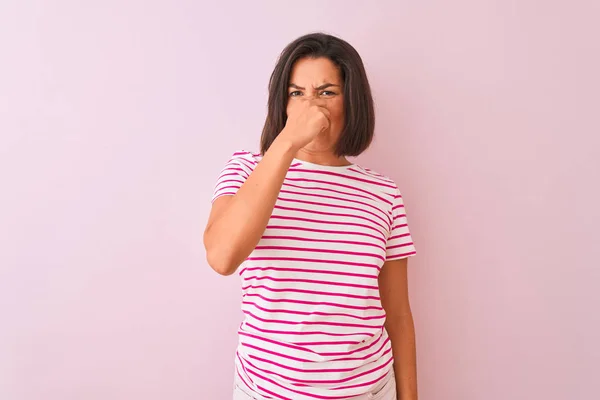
<point>306,120</point>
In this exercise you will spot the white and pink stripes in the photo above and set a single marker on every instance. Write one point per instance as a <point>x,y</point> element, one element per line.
<point>313,326</point>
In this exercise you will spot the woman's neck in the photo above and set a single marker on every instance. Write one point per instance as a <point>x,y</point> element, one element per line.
<point>321,158</point>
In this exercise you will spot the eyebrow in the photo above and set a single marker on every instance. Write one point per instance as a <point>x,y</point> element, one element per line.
<point>323,86</point>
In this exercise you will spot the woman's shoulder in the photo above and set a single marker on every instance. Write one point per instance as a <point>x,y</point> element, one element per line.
<point>382,181</point>
<point>245,157</point>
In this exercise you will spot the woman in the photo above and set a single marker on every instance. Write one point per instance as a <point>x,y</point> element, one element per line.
<point>321,244</point>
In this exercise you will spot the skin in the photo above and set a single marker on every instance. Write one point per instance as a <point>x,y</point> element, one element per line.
<point>393,290</point>
<point>318,80</point>
<point>236,223</point>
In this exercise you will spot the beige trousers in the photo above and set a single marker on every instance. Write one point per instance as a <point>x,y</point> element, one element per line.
<point>386,390</point>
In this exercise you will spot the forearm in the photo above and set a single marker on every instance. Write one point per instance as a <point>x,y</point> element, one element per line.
<point>402,334</point>
<point>234,233</point>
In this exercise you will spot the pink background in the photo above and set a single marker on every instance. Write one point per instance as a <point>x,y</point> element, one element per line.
<point>116,117</point>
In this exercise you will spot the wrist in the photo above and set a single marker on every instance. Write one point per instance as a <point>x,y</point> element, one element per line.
<point>283,148</point>
<point>284,145</point>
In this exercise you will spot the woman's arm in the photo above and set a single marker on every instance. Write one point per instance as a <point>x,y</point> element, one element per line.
<point>236,223</point>
<point>393,289</point>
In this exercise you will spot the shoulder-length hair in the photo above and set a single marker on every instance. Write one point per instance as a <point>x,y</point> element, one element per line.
<point>359,123</point>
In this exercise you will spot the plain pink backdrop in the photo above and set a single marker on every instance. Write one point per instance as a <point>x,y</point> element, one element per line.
<point>116,117</point>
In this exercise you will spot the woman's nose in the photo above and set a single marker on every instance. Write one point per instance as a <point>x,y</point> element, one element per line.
<point>317,100</point>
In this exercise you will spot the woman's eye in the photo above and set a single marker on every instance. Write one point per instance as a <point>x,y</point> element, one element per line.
<point>327,93</point>
<point>295,93</point>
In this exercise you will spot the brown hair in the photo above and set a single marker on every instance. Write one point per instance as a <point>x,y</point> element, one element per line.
<point>359,124</point>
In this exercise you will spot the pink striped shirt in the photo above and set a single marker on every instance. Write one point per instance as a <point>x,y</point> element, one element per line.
<point>313,326</point>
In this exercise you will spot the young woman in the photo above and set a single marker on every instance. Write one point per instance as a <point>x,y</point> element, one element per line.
<point>321,244</point>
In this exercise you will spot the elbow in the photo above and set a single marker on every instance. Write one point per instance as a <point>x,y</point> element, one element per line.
<point>219,259</point>
<point>219,263</point>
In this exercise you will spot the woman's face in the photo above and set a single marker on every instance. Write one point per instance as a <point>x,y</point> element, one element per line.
<point>319,79</point>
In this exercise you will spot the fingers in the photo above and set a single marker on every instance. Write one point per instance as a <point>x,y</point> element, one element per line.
<point>302,104</point>
<point>320,104</point>
<point>327,116</point>
<point>325,111</point>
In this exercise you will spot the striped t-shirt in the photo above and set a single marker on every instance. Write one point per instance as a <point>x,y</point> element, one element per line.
<point>314,324</point>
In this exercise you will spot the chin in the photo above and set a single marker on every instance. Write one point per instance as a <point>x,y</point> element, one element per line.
<point>321,144</point>
<point>321,147</point>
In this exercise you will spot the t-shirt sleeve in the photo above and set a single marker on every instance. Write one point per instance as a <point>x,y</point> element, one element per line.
<point>234,174</point>
<point>399,244</point>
